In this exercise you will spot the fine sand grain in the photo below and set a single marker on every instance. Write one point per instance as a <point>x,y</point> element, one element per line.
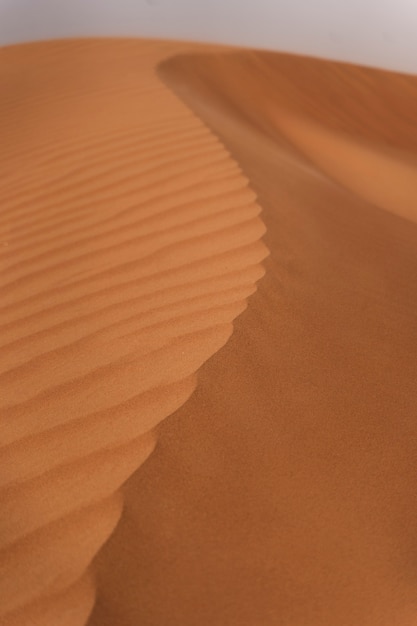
<point>284,491</point>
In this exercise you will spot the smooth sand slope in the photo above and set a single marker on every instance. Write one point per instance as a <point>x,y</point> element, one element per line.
<point>129,242</point>
<point>284,491</point>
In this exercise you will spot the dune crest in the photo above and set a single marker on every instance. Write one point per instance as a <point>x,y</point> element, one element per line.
<point>297,502</point>
<point>130,241</point>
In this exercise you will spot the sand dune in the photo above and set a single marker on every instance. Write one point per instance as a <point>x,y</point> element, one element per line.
<point>291,499</point>
<point>130,242</point>
<point>283,491</point>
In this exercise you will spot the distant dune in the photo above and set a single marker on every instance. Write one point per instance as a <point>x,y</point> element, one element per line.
<point>283,491</point>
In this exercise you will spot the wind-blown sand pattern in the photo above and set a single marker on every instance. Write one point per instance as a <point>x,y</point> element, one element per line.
<point>284,490</point>
<point>130,242</point>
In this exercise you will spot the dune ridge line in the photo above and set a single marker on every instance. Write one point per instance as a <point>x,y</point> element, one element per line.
<point>130,241</point>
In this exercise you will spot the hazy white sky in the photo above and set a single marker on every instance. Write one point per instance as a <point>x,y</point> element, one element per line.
<point>373,32</point>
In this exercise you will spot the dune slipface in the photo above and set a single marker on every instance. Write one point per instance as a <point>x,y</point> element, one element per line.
<point>291,500</point>
<point>129,243</point>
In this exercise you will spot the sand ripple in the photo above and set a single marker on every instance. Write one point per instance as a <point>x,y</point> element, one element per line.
<point>130,242</point>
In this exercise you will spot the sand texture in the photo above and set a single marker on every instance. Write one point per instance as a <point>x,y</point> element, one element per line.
<point>284,490</point>
<point>130,242</point>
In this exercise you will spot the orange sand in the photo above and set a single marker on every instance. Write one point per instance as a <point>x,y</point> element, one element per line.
<point>283,491</point>
<point>130,243</point>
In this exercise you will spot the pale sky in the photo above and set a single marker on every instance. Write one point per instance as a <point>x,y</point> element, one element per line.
<point>380,33</point>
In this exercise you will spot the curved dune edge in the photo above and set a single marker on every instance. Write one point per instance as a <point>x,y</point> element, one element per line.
<point>352,124</point>
<point>130,242</point>
<point>291,499</point>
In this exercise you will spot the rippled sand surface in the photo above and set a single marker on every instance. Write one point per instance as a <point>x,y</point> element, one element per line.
<point>283,491</point>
